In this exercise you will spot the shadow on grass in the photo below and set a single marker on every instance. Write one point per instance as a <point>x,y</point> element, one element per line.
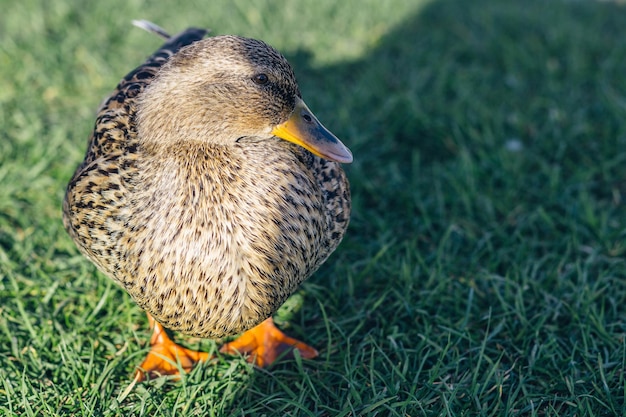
<point>524,84</point>
<point>456,65</point>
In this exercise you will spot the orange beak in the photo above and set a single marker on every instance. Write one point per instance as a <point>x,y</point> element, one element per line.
<point>303,129</point>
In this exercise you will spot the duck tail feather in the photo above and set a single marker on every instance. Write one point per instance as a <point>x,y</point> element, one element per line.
<point>175,42</point>
<point>151,27</point>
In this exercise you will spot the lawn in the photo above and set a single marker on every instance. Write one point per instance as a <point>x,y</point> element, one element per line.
<point>483,272</point>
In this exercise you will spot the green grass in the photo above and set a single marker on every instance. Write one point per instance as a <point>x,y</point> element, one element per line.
<point>483,272</point>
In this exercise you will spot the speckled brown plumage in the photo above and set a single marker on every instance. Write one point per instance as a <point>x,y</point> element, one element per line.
<point>187,199</point>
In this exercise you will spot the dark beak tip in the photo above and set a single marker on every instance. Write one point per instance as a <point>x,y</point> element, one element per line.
<point>345,158</point>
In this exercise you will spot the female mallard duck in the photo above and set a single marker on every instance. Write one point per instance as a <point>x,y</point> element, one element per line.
<point>209,191</point>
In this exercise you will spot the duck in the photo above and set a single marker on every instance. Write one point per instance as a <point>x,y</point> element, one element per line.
<point>209,192</point>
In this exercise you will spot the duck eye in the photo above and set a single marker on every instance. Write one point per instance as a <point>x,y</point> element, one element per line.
<point>261,79</point>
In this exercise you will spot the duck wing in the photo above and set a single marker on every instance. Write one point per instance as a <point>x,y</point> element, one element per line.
<point>95,196</point>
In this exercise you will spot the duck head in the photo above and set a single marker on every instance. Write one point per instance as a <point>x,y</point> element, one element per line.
<point>223,88</point>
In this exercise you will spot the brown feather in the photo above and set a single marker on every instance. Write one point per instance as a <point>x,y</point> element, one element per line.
<point>185,198</point>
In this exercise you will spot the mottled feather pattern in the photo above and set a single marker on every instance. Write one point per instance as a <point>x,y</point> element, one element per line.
<point>97,185</point>
<point>209,239</point>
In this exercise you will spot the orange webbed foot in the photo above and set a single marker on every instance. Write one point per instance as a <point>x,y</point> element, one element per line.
<point>265,343</point>
<point>165,356</point>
